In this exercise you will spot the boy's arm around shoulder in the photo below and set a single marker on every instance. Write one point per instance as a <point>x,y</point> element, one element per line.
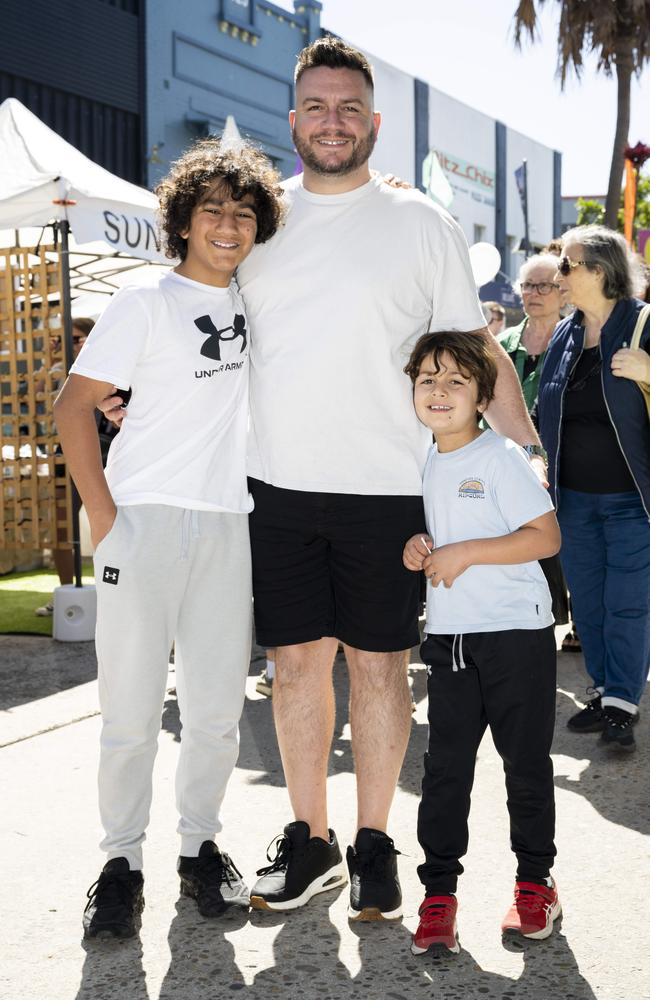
<point>74,414</point>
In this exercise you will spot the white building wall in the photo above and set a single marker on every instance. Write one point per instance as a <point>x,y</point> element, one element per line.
<point>394,98</point>
<point>464,140</point>
<point>540,190</point>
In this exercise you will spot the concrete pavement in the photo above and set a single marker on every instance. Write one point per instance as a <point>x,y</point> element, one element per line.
<point>49,830</point>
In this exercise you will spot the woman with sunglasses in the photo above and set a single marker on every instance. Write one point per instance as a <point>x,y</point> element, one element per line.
<point>594,425</point>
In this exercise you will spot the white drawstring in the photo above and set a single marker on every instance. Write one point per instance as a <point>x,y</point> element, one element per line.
<point>461,661</point>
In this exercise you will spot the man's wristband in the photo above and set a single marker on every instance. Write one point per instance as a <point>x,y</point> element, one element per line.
<point>535,449</point>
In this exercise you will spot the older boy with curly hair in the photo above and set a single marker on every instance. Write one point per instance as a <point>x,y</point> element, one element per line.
<point>169,521</point>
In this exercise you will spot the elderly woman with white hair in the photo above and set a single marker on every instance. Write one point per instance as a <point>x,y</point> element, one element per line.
<point>594,425</point>
<point>526,345</point>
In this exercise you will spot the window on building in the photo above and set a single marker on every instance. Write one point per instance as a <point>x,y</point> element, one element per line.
<point>479,233</point>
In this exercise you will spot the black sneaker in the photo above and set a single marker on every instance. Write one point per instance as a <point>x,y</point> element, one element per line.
<point>115,902</point>
<point>212,880</point>
<point>618,732</point>
<point>375,892</point>
<point>302,867</point>
<point>590,719</point>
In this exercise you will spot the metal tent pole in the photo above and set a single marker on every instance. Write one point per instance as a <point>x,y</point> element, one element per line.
<point>63,227</point>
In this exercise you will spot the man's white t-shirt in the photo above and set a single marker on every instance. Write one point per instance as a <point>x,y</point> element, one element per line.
<point>337,299</point>
<point>484,490</point>
<point>182,347</point>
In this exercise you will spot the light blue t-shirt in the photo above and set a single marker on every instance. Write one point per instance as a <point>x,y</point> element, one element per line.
<point>483,490</point>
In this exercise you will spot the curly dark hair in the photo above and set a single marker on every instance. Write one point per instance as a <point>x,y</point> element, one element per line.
<point>243,169</point>
<point>469,350</point>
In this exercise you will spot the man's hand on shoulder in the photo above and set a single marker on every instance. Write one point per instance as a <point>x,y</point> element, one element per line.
<point>539,465</point>
<point>395,182</point>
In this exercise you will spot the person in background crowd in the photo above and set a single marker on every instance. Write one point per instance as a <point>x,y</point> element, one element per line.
<point>526,346</point>
<point>594,425</point>
<point>495,316</point>
<point>63,558</point>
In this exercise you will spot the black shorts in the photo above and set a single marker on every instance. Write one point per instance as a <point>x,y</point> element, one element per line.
<point>330,564</point>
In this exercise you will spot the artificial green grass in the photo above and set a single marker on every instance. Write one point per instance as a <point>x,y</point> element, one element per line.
<point>22,593</point>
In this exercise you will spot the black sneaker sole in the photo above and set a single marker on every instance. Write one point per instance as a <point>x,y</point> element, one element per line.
<point>115,931</point>
<point>593,727</point>
<point>618,746</point>
<point>229,905</point>
<point>333,878</point>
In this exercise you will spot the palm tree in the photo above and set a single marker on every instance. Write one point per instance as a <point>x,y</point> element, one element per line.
<point>619,32</point>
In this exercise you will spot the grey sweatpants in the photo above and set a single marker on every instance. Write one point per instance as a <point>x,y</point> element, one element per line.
<point>166,575</point>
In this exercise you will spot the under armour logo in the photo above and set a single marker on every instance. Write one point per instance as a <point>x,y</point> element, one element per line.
<point>210,348</point>
<point>111,575</point>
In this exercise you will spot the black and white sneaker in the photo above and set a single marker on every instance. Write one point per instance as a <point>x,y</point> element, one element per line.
<point>115,902</point>
<point>375,892</point>
<point>212,880</point>
<point>302,867</point>
<point>618,732</point>
<point>591,718</point>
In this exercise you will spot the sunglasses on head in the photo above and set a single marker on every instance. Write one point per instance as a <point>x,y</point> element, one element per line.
<point>566,265</point>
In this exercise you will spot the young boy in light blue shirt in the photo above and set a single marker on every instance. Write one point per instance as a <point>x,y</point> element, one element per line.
<point>489,645</point>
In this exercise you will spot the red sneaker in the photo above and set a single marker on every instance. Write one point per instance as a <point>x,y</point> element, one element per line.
<point>437,925</point>
<point>534,909</point>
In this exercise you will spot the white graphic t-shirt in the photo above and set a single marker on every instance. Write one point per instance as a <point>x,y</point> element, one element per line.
<point>182,347</point>
<point>484,490</point>
<point>337,298</point>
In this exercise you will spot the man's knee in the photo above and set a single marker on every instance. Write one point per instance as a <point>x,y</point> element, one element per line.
<point>304,665</point>
<point>376,671</point>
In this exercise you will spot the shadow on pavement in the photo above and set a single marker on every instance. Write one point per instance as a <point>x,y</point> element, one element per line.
<point>614,783</point>
<point>112,968</point>
<point>33,667</point>
<point>202,962</point>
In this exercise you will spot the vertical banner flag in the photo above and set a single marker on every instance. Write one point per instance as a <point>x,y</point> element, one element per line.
<point>434,181</point>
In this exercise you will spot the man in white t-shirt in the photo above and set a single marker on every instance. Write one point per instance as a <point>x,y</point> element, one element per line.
<point>336,301</point>
<point>169,522</point>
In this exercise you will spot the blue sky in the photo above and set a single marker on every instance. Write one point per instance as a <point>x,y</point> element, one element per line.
<point>465,48</point>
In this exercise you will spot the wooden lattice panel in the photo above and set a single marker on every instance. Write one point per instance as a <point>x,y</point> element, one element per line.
<point>36,494</point>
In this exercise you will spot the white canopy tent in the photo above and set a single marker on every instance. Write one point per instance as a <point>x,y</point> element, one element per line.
<point>44,179</point>
<point>104,225</point>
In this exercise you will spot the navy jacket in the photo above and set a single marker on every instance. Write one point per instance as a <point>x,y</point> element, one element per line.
<point>623,398</point>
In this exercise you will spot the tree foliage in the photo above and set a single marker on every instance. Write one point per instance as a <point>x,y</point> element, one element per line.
<point>590,210</point>
<point>618,33</point>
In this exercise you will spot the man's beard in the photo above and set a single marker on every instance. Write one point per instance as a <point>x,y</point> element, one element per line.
<point>361,152</point>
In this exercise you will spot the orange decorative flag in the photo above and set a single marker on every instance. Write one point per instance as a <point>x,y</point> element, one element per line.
<point>629,203</point>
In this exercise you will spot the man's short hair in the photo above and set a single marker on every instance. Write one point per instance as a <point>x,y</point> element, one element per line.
<point>334,53</point>
<point>469,350</point>
<point>243,169</point>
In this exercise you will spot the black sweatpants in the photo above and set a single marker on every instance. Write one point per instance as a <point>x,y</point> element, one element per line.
<point>504,680</point>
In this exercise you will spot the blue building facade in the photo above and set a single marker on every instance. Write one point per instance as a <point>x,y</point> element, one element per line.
<point>214,58</point>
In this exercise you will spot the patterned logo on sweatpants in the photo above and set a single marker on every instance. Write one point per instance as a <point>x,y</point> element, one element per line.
<point>111,575</point>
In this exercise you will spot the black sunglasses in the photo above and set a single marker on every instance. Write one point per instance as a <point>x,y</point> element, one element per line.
<point>566,265</point>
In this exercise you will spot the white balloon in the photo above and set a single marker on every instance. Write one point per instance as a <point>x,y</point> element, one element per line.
<point>485,260</point>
